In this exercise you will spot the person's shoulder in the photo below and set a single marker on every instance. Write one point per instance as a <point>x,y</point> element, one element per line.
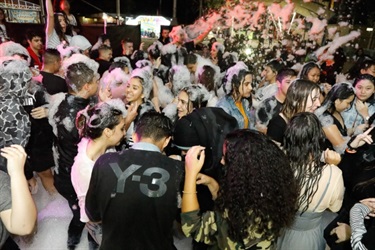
<point>223,101</point>
<point>336,171</point>
<point>278,119</point>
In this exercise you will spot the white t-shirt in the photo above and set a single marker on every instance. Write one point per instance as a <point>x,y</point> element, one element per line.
<point>81,175</point>
<point>53,40</point>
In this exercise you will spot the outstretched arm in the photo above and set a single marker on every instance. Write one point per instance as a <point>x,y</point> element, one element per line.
<point>50,18</point>
<point>21,218</point>
<point>202,36</point>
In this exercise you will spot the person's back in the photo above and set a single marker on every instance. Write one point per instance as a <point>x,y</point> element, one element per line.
<point>51,65</point>
<point>135,213</point>
<point>134,193</point>
<point>321,185</point>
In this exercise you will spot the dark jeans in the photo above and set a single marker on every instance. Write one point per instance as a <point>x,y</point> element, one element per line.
<point>65,188</point>
<point>343,217</point>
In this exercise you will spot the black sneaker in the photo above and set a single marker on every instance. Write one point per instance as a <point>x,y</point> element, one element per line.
<point>73,240</point>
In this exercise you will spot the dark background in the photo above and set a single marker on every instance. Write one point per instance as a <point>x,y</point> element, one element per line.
<point>357,11</point>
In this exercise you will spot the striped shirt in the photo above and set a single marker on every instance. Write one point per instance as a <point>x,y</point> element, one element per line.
<point>357,215</point>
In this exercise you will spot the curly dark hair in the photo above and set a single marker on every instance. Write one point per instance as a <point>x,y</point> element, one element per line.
<point>258,188</point>
<point>92,121</point>
<point>303,143</point>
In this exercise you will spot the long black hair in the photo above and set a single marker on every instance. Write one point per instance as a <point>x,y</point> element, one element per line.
<point>303,143</point>
<point>339,91</point>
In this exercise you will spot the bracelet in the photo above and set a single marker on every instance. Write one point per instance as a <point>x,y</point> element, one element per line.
<point>350,142</point>
<point>189,192</point>
<point>350,150</point>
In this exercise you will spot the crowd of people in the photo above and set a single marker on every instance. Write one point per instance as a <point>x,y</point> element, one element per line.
<point>170,139</point>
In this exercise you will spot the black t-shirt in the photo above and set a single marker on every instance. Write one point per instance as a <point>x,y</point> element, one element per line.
<point>103,66</point>
<point>341,128</point>
<point>276,128</point>
<point>134,194</point>
<point>53,84</point>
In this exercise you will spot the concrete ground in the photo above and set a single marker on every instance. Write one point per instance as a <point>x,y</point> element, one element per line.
<point>54,216</point>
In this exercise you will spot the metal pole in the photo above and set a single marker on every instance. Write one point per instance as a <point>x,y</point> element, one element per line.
<point>42,13</point>
<point>174,19</point>
<point>118,11</point>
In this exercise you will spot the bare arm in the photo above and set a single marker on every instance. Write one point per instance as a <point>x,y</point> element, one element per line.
<point>21,218</point>
<point>202,36</point>
<point>334,136</point>
<point>50,18</point>
<point>192,168</point>
<point>132,114</point>
<point>210,182</point>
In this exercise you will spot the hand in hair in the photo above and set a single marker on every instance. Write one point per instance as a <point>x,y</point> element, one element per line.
<point>194,160</point>
<point>332,157</point>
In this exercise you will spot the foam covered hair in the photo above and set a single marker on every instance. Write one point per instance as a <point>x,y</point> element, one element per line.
<point>113,78</point>
<point>143,63</point>
<point>177,30</point>
<point>103,113</point>
<point>66,51</point>
<point>80,42</point>
<point>11,48</point>
<point>79,58</point>
<point>231,72</point>
<point>155,48</point>
<point>180,77</point>
<point>125,61</point>
<point>219,46</point>
<point>147,77</point>
<point>197,92</point>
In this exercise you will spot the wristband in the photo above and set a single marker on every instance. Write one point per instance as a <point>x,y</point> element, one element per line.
<point>189,192</point>
<point>350,148</point>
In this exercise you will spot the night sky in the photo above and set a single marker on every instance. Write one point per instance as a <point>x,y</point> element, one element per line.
<point>187,10</point>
